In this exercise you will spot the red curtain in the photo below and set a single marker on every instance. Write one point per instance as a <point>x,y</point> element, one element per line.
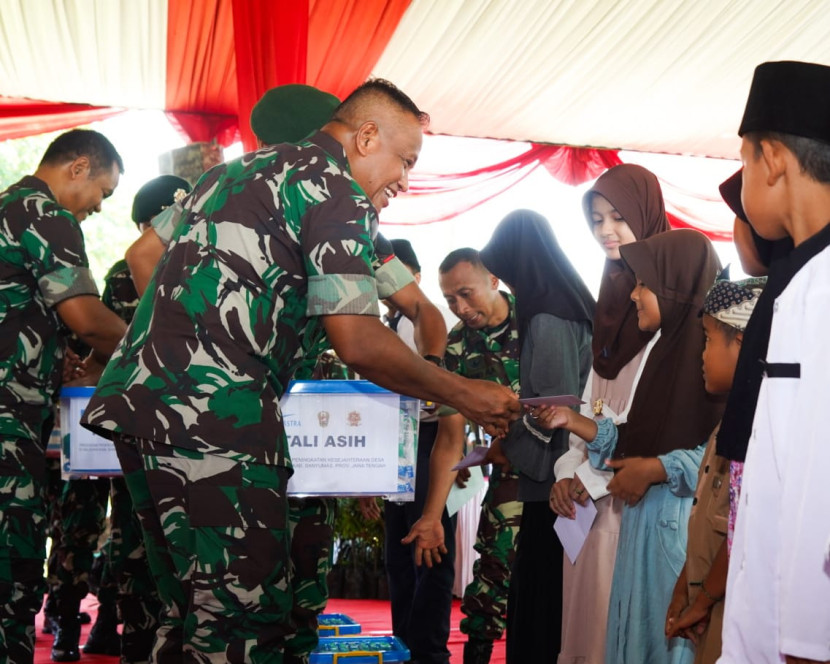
<point>270,44</point>
<point>26,117</point>
<point>346,38</point>
<point>577,165</point>
<point>462,192</point>
<point>201,96</point>
<point>222,55</point>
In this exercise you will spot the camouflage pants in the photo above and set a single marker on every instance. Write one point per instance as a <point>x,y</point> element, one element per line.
<point>216,532</point>
<point>485,598</point>
<point>127,581</point>
<point>312,534</point>
<point>22,545</point>
<point>78,519</point>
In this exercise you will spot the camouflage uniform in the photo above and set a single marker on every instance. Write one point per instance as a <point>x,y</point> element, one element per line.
<point>312,519</point>
<point>268,243</point>
<point>42,263</point>
<point>78,520</point>
<point>311,523</point>
<point>126,579</point>
<point>490,354</point>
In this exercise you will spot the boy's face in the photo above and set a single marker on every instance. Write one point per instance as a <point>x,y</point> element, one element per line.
<point>720,356</point>
<point>757,192</point>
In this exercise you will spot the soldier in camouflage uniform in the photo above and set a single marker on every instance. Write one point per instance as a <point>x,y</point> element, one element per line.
<point>485,344</point>
<point>47,287</point>
<point>286,114</point>
<point>126,581</point>
<point>273,252</point>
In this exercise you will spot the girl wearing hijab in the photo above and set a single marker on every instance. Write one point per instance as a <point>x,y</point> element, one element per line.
<point>657,452</point>
<point>555,312</point>
<point>624,205</point>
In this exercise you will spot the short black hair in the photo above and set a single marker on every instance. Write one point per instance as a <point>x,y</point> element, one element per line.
<point>374,88</point>
<point>813,155</point>
<point>463,255</point>
<point>83,142</point>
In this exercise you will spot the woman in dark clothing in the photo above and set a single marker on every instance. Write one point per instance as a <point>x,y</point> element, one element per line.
<point>555,312</point>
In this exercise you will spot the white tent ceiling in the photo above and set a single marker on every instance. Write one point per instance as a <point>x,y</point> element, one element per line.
<point>649,75</point>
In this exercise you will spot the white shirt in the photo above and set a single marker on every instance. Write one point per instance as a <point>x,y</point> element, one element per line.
<point>778,589</point>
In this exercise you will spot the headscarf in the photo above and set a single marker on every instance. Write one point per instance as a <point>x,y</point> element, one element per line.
<point>524,254</point>
<point>670,408</point>
<point>635,193</point>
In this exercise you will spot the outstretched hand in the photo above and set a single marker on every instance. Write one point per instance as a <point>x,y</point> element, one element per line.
<point>491,405</point>
<point>551,417</point>
<point>428,535</point>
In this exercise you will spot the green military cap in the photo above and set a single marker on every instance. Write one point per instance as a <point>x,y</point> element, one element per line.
<point>157,194</point>
<point>289,113</point>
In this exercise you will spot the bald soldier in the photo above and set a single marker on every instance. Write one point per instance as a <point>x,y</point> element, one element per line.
<point>274,251</point>
<point>288,114</point>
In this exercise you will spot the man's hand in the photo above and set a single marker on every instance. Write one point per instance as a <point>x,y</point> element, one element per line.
<point>492,406</point>
<point>72,366</point>
<point>369,507</point>
<point>461,477</point>
<point>633,477</point>
<point>428,535</point>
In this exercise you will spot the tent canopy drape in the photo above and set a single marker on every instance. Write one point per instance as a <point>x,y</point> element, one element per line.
<point>644,75</point>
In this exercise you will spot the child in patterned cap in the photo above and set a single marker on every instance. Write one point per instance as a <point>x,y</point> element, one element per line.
<point>696,608</point>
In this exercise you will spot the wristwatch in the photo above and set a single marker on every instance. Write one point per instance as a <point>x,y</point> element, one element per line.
<point>437,361</point>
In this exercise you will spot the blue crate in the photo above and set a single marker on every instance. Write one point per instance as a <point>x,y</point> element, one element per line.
<point>359,650</point>
<point>336,624</point>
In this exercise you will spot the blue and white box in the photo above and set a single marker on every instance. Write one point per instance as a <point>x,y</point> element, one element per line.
<point>350,438</point>
<point>83,453</point>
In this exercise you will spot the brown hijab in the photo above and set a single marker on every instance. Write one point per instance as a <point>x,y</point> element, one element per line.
<point>635,193</point>
<point>670,408</point>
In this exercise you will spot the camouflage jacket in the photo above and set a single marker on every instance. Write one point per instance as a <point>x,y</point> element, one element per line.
<point>268,243</point>
<point>119,293</point>
<point>42,263</point>
<point>489,354</point>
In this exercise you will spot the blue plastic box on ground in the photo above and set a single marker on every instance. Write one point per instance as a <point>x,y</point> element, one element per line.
<point>336,624</point>
<point>359,650</point>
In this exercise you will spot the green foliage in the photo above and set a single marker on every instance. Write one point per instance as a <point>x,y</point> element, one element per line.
<point>360,540</point>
